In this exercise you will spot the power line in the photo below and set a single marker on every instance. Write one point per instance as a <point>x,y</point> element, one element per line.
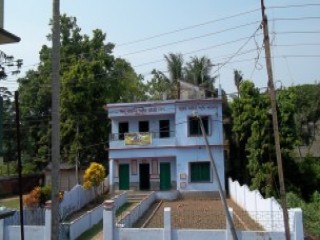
<point>190,39</point>
<point>237,52</point>
<point>199,50</point>
<point>294,6</point>
<point>187,28</point>
<point>299,32</point>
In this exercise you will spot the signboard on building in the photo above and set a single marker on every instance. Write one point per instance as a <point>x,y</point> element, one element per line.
<point>137,138</point>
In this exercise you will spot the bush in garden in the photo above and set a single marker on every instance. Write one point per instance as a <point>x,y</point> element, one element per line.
<point>39,196</point>
<point>94,176</point>
<point>32,199</point>
<point>45,194</point>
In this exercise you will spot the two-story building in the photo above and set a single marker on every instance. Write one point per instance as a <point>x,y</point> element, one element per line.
<point>159,145</point>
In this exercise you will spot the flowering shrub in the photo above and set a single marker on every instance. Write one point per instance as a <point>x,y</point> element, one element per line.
<point>93,175</point>
<point>38,197</point>
<point>33,198</point>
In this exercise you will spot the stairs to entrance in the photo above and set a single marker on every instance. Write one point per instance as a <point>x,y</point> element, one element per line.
<point>136,197</point>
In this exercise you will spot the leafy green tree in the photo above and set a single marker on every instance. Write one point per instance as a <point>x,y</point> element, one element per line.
<point>9,147</point>
<point>90,77</point>
<point>198,72</point>
<point>175,69</point>
<point>252,123</point>
<point>160,87</point>
<point>238,79</point>
<point>8,66</point>
<point>242,121</point>
<point>307,111</point>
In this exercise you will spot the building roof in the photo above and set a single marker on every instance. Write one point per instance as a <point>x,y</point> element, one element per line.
<point>7,37</point>
<point>63,166</point>
<point>164,102</point>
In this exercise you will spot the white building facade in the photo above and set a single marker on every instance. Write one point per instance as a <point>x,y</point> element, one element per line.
<point>159,145</point>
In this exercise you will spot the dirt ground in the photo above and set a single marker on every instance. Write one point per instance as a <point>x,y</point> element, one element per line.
<point>198,214</point>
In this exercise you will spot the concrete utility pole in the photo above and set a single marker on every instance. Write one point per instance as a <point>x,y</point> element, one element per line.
<point>215,172</point>
<point>55,135</point>
<point>77,153</point>
<point>275,119</point>
<point>16,100</point>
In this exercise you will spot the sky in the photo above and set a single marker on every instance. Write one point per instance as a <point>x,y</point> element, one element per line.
<point>227,32</point>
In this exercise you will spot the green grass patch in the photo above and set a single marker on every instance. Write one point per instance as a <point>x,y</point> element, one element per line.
<point>98,227</point>
<point>123,208</point>
<point>91,232</point>
<point>10,203</point>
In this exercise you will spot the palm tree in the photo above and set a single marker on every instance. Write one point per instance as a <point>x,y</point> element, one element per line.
<point>198,73</point>
<point>174,64</point>
<point>238,79</point>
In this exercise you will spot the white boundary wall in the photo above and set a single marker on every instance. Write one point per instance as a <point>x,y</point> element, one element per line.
<point>78,197</point>
<point>30,232</point>
<point>267,212</point>
<point>138,210</point>
<point>110,230</point>
<point>92,217</point>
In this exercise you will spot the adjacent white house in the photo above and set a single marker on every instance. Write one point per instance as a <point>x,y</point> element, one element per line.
<point>159,145</point>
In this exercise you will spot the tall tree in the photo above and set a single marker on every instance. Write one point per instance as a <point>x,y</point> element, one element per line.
<point>175,68</point>
<point>90,77</point>
<point>8,129</point>
<point>252,123</point>
<point>198,72</point>
<point>238,79</point>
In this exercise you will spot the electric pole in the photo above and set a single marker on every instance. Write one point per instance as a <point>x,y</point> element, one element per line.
<point>77,153</point>
<point>215,173</point>
<point>16,100</point>
<point>272,93</point>
<point>55,135</point>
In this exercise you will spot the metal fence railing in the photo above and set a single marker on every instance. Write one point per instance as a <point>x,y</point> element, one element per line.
<point>155,135</point>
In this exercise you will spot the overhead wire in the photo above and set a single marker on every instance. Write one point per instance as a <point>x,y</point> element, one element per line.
<point>189,27</point>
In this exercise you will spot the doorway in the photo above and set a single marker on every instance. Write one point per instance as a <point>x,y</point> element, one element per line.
<point>144,176</point>
<point>123,176</point>
<point>165,178</point>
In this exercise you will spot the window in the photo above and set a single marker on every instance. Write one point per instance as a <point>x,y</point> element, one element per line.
<point>123,128</point>
<point>200,171</point>
<point>143,126</point>
<point>164,128</point>
<point>194,125</point>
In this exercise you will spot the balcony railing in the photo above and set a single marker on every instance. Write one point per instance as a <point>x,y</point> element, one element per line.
<point>153,135</point>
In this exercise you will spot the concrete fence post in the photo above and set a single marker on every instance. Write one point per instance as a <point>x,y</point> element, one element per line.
<point>297,224</point>
<point>108,220</point>
<point>167,223</point>
<point>47,226</point>
<point>2,229</point>
<point>228,227</point>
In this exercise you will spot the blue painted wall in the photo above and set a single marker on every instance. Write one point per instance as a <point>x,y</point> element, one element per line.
<point>180,148</point>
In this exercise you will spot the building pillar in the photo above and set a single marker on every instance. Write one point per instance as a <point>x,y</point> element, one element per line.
<point>167,223</point>
<point>109,220</point>
<point>111,175</point>
<point>47,226</point>
<point>228,227</point>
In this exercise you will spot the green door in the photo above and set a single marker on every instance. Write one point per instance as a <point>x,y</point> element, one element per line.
<point>123,176</point>
<point>165,178</point>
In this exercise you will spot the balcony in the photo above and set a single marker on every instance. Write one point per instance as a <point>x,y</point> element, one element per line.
<point>139,139</point>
